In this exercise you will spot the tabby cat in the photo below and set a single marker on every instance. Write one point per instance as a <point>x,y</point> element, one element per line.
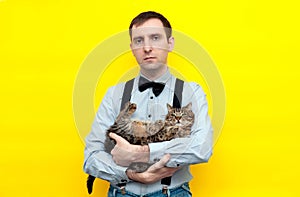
<point>177,123</point>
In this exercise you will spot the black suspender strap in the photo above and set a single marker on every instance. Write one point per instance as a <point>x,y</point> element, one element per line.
<point>177,99</point>
<point>127,93</point>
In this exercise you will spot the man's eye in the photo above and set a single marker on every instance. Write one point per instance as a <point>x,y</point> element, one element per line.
<point>138,41</point>
<point>155,38</point>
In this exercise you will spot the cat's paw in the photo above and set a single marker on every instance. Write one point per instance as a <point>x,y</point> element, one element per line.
<point>129,107</point>
<point>132,107</point>
<point>156,127</point>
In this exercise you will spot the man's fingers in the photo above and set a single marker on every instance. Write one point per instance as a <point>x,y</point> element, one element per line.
<point>113,136</point>
<point>118,138</point>
<point>161,163</point>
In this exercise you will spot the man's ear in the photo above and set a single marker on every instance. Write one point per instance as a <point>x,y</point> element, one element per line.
<point>131,48</point>
<point>171,42</point>
<point>130,45</point>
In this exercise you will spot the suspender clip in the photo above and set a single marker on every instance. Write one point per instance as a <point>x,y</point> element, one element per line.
<point>122,186</point>
<point>165,189</point>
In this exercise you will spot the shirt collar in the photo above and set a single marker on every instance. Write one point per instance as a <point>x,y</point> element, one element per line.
<point>165,78</point>
<point>162,79</point>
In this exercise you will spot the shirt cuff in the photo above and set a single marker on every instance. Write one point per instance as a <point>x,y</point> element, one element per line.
<point>157,151</point>
<point>121,177</point>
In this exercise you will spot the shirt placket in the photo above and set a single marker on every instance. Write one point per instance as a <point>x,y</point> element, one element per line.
<point>150,103</point>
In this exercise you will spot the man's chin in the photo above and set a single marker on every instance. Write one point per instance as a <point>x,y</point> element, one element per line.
<point>152,65</point>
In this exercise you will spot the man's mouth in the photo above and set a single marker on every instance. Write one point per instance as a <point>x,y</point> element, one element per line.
<point>149,58</point>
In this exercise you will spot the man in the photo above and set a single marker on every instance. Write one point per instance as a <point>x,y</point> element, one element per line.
<point>151,41</point>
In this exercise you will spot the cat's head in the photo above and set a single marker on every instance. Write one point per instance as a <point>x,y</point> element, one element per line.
<point>180,116</point>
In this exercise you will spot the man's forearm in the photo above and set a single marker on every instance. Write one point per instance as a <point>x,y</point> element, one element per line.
<point>154,173</point>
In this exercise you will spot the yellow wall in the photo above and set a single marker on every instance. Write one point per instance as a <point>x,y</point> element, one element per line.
<point>255,45</point>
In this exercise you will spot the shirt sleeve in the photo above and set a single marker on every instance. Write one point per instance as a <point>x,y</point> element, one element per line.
<point>97,162</point>
<point>197,148</point>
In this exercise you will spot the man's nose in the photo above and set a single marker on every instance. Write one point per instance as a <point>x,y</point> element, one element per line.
<point>147,46</point>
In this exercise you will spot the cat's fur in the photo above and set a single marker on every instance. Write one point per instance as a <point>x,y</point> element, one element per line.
<point>177,123</point>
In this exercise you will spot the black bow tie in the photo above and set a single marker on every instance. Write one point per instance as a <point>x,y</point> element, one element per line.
<point>144,84</point>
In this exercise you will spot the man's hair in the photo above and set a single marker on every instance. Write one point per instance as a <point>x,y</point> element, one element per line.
<point>144,16</point>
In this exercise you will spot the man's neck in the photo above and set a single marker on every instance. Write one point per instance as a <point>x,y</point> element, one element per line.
<point>154,74</point>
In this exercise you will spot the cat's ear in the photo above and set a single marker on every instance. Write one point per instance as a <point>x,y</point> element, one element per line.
<point>169,107</point>
<point>189,106</point>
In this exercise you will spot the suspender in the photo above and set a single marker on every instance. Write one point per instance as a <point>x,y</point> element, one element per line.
<point>127,93</point>
<point>177,98</point>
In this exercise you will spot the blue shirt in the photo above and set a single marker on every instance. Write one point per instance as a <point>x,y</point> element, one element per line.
<point>184,151</point>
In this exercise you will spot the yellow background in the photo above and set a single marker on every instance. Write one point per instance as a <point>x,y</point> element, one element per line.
<point>255,45</point>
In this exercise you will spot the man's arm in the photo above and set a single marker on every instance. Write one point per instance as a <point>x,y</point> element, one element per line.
<point>198,147</point>
<point>124,154</point>
<point>97,162</point>
<point>154,173</point>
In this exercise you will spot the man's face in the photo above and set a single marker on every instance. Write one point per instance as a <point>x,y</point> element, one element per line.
<point>150,45</point>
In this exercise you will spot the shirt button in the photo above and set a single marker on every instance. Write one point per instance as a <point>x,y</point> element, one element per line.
<point>151,97</point>
<point>149,116</point>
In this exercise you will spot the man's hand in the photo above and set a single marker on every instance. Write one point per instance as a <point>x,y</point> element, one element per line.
<point>154,173</point>
<point>125,153</point>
